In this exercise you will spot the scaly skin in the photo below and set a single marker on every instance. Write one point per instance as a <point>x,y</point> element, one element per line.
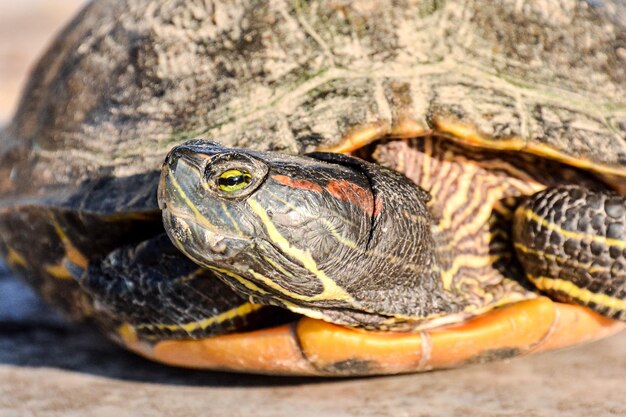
<point>572,243</point>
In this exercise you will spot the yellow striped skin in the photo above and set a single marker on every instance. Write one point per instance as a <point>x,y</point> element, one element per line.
<point>476,193</point>
<point>51,246</point>
<point>584,296</point>
<point>473,200</point>
<point>572,243</point>
<point>193,326</point>
<point>154,292</point>
<point>479,237</point>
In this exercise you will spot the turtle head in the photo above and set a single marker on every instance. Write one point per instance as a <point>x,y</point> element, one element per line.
<point>270,218</point>
<point>202,195</point>
<point>310,233</point>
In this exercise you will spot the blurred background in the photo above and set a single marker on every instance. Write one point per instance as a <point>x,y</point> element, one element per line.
<point>26,28</point>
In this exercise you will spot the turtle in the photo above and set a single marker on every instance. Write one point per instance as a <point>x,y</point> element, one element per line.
<point>323,187</point>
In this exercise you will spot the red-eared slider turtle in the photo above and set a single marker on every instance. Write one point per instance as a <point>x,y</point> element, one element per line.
<point>487,170</point>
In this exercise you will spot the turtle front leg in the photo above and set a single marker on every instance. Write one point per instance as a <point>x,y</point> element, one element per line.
<point>154,292</point>
<point>571,242</point>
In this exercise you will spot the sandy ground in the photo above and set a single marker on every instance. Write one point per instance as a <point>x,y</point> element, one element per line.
<point>52,368</point>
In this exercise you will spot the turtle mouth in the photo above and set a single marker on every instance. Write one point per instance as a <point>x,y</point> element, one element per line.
<point>199,242</point>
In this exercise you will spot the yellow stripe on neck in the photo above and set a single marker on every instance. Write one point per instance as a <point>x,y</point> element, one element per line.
<point>203,324</point>
<point>14,258</point>
<point>565,261</point>
<point>531,215</point>
<point>581,294</point>
<point>331,291</point>
<point>246,283</point>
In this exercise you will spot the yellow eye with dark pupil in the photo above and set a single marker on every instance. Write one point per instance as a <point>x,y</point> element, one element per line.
<point>233,180</point>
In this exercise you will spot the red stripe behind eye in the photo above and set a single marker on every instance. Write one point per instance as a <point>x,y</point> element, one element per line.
<point>352,193</point>
<point>300,184</point>
<point>378,206</point>
<point>340,189</point>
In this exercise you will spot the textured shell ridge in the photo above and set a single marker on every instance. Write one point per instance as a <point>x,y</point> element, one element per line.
<point>126,81</point>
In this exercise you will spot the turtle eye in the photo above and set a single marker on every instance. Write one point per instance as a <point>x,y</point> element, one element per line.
<point>233,180</point>
<point>234,175</point>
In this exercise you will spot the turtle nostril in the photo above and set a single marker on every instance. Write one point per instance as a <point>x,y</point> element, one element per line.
<point>215,243</point>
<point>219,247</point>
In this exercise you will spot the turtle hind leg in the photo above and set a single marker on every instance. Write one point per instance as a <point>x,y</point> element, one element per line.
<point>154,290</point>
<point>571,242</point>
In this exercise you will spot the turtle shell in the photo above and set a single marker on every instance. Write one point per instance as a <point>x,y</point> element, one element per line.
<point>128,80</point>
